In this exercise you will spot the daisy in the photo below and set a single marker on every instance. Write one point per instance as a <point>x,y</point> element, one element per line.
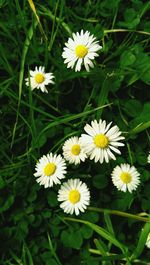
<point>148,158</point>
<point>74,195</point>
<point>73,151</point>
<point>148,241</point>
<point>101,141</point>
<point>81,48</point>
<point>39,79</point>
<point>50,169</point>
<point>125,177</point>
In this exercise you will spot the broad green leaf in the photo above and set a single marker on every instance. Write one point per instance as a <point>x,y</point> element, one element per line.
<point>52,199</point>
<point>133,107</point>
<point>72,239</point>
<point>127,58</point>
<point>100,181</point>
<point>86,231</point>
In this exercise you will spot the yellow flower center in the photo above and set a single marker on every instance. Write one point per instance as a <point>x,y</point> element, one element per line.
<point>75,150</point>
<point>49,169</point>
<point>39,78</point>
<point>126,177</point>
<point>81,51</point>
<point>101,140</point>
<point>74,196</point>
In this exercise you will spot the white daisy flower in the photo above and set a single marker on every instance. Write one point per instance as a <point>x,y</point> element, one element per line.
<point>148,158</point>
<point>82,48</point>
<point>148,241</point>
<point>39,79</point>
<point>74,195</point>
<point>73,151</point>
<point>101,140</point>
<point>50,169</point>
<point>125,177</point>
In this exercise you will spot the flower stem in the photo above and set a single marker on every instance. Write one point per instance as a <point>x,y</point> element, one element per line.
<point>124,214</point>
<point>126,30</point>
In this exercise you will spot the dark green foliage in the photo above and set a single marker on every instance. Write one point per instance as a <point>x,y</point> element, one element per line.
<point>33,228</point>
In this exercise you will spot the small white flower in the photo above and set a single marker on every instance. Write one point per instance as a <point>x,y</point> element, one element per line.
<point>148,158</point>
<point>148,241</point>
<point>74,195</point>
<point>82,48</point>
<point>50,169</point>
<point>39,79</point>
<point>73,151</point>
<point>125,177</point>
<point>101,140</point>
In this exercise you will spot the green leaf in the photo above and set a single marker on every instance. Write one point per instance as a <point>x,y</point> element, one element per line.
<point>72,239</point>
<point>129,14</point>
<point>127,58</point>
<point>100,181</point>
<point>86,231</point>
<point>51,262</point>
<point>8,203</point>
<point>52,199</point>
<point>91,216</point>
<point>124,201</point>
<point>133,107</point>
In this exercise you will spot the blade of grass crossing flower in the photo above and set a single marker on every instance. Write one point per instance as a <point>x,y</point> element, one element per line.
<point>102,232</point>
<point>70,118</point>
<point>21,75</point>
<point>52,250</point>
<point>141,243</point>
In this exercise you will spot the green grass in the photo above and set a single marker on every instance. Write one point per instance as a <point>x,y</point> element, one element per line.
<point>33,228</point>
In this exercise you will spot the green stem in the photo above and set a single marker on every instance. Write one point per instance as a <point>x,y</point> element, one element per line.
<point>125,30</point>
<point>47,12</point>
<point>124,214</point>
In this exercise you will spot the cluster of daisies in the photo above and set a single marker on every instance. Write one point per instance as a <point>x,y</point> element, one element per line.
<point>100,143</point>
<point>81,49</point>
